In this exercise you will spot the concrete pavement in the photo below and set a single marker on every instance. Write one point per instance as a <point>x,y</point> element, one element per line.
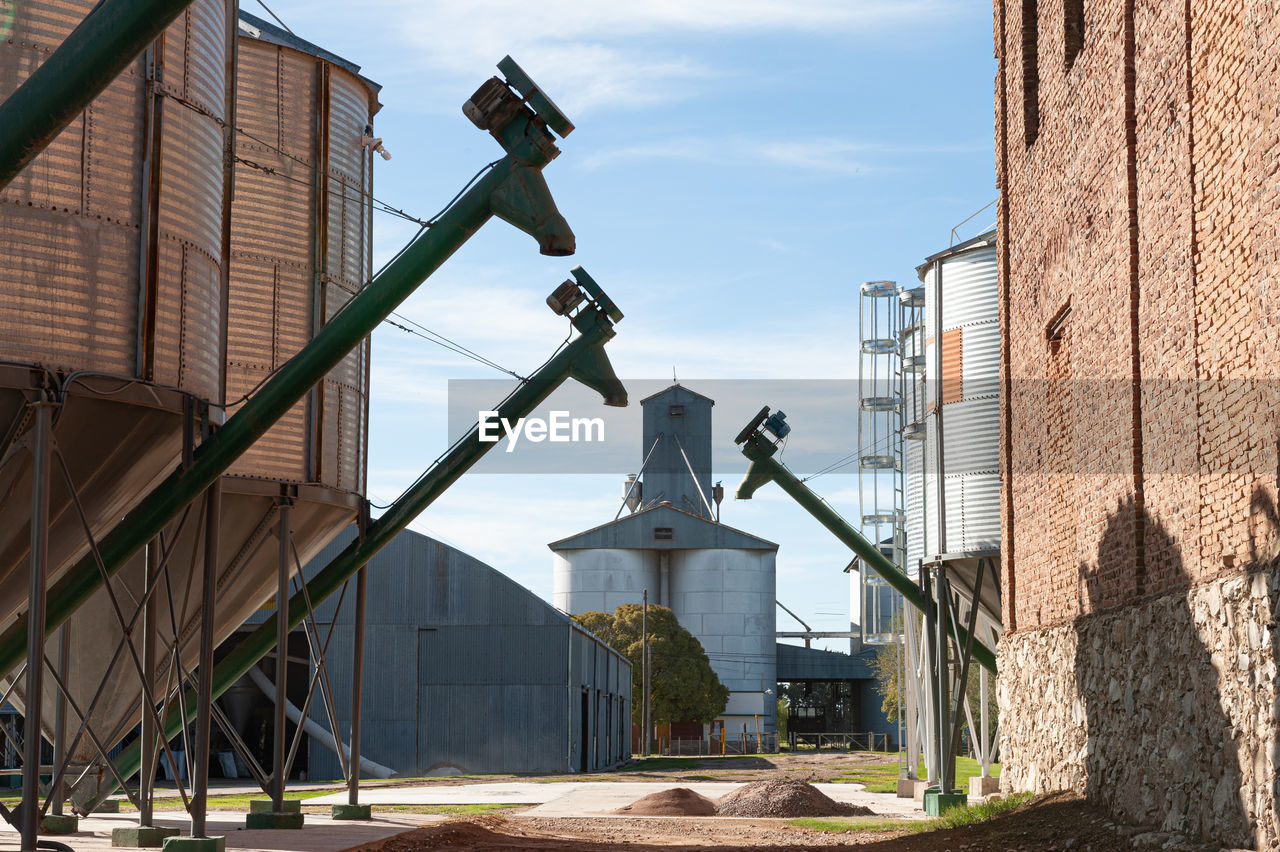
<point>320,834</point>
<point>594,798</point>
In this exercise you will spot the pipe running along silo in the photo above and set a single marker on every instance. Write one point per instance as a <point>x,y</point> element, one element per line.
<point>300,247</point>
<point>111,294</point>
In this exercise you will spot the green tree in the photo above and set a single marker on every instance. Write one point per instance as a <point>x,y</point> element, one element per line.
<point>885,666</point>
<point>682,685</point>
<point>784,713</point>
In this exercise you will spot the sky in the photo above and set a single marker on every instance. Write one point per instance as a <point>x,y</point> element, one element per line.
<point>737,170</point>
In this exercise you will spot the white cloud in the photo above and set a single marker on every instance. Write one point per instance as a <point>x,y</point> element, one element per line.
<point>819,154</point>
<point>834,156</point>
<point>596,54</point>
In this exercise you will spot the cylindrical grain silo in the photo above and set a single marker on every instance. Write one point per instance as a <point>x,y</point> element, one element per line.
<point>969,464</point>
<point>300,246</point>
<point>111,291</point>
<point>602,579</point>
<point>726,597</point>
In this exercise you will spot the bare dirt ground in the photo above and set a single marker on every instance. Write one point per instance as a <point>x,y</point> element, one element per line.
<point>1059,822</point>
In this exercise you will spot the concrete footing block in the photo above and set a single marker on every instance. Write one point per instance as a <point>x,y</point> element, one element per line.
<point>266,806</point>
<point>352,812</point>
<point>142,836</point>
<point>108,806</point>
<point>906,788</point>
<point>273,819</point>
<point>195,844</point>
<point>59,824</point>
<point>917,793</point>
<point>983,786</point>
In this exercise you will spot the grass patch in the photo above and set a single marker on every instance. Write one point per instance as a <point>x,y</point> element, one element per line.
<point>882,777</point>
<point>954,818</point>
<point>848,824</point>
<point>972,814</point>
<point>876,777</point>
<point>228,802</point>
<point>452,810</point>
<point>663,764</point>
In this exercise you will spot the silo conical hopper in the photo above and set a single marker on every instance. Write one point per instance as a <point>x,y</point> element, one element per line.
<point>111,292</point>
<point>300,241</point>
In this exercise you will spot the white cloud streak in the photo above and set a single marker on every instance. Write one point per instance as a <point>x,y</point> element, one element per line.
<point>598,54</point>
<point>818,155</point>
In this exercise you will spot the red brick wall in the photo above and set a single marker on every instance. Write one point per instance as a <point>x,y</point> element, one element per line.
<point>1147,203</point>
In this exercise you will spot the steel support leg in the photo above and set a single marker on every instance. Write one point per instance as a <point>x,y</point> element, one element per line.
<point>204,672</point>
<point>946,766</point>
<point>41,458</point>
<point>936,656</point>
<point>147,774</point>
<point>58,791</point>
<point>357,682</point>
<point>282,664</point>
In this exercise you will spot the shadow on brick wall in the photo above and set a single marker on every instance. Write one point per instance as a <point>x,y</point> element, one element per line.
<point>1160,748</point>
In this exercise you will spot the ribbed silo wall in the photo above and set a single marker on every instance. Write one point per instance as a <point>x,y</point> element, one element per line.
<point>301,238</point>
<point>971,401</point>
<point>726,598</point>
<point>602,579</point>
<point>78,294</point>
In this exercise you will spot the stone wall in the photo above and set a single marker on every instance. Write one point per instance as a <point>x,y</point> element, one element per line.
<point>1164,712</point>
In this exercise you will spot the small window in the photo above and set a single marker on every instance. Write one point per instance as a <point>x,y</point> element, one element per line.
<point>663,534</point>
<point>676,411</point>
<point>1072,29</point>
<point>1030,71</point>
<point>1057,327</point>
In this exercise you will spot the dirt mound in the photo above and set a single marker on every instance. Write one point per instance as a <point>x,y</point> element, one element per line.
<point>784,797</point>
<point>678,801</point>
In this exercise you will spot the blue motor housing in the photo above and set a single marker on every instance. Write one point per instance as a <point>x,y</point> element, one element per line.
<point>778,425</point>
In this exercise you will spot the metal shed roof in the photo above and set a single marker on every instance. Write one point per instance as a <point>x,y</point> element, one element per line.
<point>688,532</point>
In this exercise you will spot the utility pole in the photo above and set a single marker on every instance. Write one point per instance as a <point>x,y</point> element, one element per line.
<point>644,668</point>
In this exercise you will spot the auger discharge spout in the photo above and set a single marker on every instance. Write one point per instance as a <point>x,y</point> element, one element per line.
<point>759,449</point>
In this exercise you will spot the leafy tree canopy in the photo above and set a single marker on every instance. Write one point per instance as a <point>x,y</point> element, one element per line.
<point>682,685</point>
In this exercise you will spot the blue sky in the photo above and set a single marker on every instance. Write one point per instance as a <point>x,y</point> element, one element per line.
<point>737,170</point>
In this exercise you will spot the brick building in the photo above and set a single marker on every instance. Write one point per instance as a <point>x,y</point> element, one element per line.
<point>1138,157</point>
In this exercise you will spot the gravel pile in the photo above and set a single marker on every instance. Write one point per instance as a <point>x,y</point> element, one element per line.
<point>678,801</point>
<point>784,798</point>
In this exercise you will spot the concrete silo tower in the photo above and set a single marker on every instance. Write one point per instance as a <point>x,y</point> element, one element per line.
<point>677,450</point>
<point>719,581</point>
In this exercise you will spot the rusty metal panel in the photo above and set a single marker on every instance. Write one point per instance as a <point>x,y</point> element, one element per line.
<point>952,358</point>
<point>284,242</point>
<point>72,291</point>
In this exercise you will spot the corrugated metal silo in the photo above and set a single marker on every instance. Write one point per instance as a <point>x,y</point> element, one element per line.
<point>300,246</point>
<point>970,402</point>
<point>111,291</point>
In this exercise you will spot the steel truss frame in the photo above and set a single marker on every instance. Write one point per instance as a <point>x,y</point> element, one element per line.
<point>137,619</point>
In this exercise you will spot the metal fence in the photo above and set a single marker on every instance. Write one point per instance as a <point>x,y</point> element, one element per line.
<point>869,741</point>
<point>764,743</point>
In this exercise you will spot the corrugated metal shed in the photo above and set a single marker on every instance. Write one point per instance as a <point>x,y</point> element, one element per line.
<point>465,667</point>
